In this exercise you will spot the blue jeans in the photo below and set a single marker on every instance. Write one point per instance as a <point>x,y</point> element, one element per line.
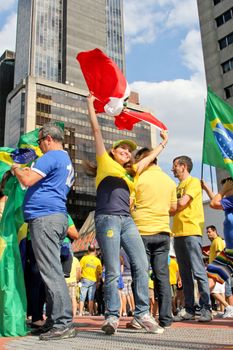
<point>47,233</point>
<point>189,256</point>
<point>112,232</point>
<point>88,288</point>
<point>157,248</point>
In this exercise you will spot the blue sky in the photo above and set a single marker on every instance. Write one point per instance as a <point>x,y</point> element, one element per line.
<point>164,64</point>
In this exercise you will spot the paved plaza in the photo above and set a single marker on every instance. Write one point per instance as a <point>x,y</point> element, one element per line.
<point>189,335</point>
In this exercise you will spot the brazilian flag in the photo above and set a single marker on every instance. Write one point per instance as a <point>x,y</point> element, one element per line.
<point>218,133</point>
<point>13,231</point>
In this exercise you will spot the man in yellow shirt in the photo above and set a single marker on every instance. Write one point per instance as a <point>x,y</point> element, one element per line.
<point>187,229</point>
<point>217,243</point>
<point>155,198</point>
<point>91,269</point>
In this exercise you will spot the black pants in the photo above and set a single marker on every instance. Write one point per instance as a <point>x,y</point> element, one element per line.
<point>157,248</point>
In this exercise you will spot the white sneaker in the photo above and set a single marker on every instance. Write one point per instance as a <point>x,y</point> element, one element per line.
<point>228,312</point>
<point>149,323</point>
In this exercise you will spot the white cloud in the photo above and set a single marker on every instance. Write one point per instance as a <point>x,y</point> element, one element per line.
<point>145,20</point>
<point>183,13</point>
<point>191,52</point>
<point>8,33</point>
<point>7,5</point>
<point>180,105</point>
<point>140,22</point>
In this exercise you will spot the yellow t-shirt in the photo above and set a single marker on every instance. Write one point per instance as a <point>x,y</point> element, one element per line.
<point>189,221</point>
<point>217,245</point>
<point>73,272</point>
<point>173,270</point>
<point>106,166</point>
<point>154,193</point>
<point>91,267</point>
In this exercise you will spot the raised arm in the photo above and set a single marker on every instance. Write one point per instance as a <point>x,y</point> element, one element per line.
<point>143,163</point>
<point>207,189</point>
<point>100,148</point>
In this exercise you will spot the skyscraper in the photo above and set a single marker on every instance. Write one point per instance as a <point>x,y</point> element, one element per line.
<point>7,61</point>
<point>216,24</point>
<point>49,84</point>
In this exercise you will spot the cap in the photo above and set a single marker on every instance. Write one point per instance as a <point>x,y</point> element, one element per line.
<point>132,144</point>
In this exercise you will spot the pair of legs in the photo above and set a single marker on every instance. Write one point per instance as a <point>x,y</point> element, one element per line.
<point>189,256</point>
<point>127,296</point>
<point>72,287</point>
<point>112,232</point>
<point>47,233</point>
<point>157,248</point>
<point>88,289</point>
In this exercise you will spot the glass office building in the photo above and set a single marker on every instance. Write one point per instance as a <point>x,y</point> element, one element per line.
<point>49,84</point>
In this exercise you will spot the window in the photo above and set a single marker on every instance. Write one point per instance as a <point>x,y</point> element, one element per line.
<point>226,41</point>
<point>226,16</point>
<point>229,91</point>
<point>227,66</point>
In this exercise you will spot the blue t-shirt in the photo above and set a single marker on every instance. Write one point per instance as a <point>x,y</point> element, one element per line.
<point>227,204</point>
<point>48,196</point>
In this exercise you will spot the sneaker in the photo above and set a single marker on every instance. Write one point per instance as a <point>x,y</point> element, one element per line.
<point>206,316</point>
<point>57,333</point>
<point>228,313</point>
<point>133,324</point>
<point>43,329</point>
<point>149,323</point>
<point>110,325</point>
<point>183,317</point>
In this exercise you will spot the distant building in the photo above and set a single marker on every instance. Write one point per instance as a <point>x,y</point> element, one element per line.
<point>216,24</point>
<point>7,61</point>
<point>48,83</point>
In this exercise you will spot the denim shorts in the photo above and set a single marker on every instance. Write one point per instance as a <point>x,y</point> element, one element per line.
<point>88,288</point>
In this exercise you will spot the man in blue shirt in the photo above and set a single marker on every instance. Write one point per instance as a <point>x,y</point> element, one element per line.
<point>49,181</point>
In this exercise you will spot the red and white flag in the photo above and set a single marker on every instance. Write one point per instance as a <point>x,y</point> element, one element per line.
<point>107,83</point>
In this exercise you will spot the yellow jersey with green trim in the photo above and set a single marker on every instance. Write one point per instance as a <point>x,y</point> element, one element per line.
<point>91,267</point>
<point>189,221</point>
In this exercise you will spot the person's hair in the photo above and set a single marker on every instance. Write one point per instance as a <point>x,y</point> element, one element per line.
<point>54,130</point>
<point>91,169</point>
<point>5,178</point>
<point>212,227</point>
<point>142,153</point>
<point>226,179</point>
<point>91,248</point>
<point>184,160</point>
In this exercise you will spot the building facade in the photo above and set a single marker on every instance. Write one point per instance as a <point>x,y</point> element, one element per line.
<point>7,62</point>
<point>49,84</point>
<point>216,25</point>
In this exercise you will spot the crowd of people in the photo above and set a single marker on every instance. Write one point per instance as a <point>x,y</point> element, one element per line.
<point>134,203</point>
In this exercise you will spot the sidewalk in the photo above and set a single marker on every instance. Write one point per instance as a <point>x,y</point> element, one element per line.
<point>190,335</point>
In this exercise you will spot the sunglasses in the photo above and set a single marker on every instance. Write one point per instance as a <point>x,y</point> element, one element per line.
<point>41,139</point>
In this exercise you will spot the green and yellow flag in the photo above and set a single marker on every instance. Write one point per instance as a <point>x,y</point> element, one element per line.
<point>13,231</point>
<point>218,133</point>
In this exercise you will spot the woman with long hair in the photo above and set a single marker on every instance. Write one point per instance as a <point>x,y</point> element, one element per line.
<point>115,178</point>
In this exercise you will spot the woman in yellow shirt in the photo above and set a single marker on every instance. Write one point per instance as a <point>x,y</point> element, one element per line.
<point>115,178</point>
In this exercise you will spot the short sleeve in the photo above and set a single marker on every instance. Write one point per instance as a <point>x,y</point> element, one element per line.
<point>44,165</point>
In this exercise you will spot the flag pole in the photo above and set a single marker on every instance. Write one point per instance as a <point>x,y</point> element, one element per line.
<point>211,179</point>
